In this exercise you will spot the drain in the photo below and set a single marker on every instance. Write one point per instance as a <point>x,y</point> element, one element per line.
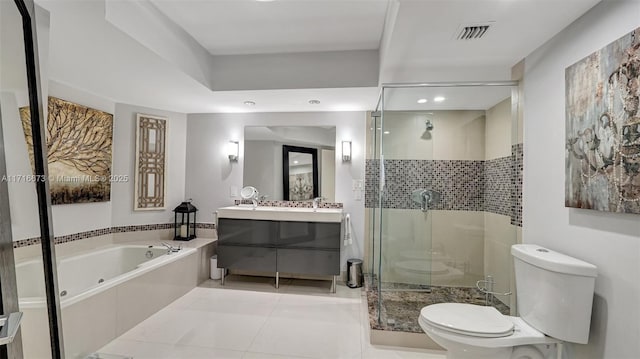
<point>149,254</point>
<point>100,280</point>
<point>63,293</point>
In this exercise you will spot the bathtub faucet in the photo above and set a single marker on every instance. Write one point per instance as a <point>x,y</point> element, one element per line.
<point>172,249</point>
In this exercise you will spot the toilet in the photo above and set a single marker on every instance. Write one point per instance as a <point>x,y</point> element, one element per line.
<point>555,295</point>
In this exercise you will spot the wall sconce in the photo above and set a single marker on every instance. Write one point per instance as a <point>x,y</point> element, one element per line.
<point>346,151</point>
<point>233,148</point>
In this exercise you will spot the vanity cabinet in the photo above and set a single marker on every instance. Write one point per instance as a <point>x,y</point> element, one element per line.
<point>279,246</point>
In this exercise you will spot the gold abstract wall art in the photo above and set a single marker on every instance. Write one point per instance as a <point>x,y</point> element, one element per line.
<point>603,128</point>
<point>79,146</point>
<point>151,155</point>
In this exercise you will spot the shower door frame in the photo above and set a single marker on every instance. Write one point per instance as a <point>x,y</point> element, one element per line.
<point>380,108</point>
<point>27,11</point>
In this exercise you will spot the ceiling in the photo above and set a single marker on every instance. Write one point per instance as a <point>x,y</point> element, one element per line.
<point>213,55</point>
<point>235,27</point>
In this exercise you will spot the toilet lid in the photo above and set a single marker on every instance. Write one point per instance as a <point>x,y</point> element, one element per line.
<point>468,319</point>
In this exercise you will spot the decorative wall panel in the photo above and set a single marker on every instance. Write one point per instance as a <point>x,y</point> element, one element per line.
<point>150,170</point>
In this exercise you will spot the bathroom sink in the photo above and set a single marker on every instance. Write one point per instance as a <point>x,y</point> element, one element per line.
<point>281,213</point>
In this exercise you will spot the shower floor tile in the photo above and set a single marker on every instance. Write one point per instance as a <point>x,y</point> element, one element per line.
<point>401,308</point>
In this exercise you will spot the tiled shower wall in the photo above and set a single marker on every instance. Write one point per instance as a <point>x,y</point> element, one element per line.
<point>493,186</point>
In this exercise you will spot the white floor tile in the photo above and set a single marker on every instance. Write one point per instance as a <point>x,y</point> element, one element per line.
<point>167,326</point>
<point>318,309</point>
<point>224,331</point>
<point>251,355</point>
<point>248,318</point>
<point>193,352</point>
<point>137,349</point>
<point>375,352</point>
<point>307,338</point>
<point>257,284</point>
<point>231,301</point>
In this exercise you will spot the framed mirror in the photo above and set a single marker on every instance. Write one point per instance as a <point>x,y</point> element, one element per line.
<point>299,173</point>
<point>264,168</point>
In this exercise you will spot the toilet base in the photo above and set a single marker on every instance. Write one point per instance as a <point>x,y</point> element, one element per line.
<point>519,352</point>
<point>525,343</point>
<point>480,353</point>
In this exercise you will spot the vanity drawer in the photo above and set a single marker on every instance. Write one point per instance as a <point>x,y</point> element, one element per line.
<point>309,261</point>
<point>248,258</point>
<point>309,235</point>
<point>247,232</point>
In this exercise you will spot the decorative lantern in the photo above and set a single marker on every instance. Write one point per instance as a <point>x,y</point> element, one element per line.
<point>185,222</point>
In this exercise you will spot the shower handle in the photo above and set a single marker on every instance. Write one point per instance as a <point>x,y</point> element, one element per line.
<point>426,199</point>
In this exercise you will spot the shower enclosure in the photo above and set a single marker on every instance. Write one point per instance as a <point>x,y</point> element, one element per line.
<point>440,170</point>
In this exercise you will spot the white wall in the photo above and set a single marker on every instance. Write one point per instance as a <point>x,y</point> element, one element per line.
<point>210,175</point>
<point>497,131</point>
<point>610,241</point>
<point>124,144</point>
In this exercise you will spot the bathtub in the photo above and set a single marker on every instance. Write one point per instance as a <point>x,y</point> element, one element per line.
<point>103,294</point>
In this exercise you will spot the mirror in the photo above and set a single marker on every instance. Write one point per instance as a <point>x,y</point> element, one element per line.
<point>264,156</point>
<point>299,173</point>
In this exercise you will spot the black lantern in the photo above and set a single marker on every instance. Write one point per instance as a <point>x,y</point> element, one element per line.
<point>185,222</point>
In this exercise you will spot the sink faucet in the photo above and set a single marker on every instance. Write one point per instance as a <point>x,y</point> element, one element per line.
<point>316,202</point>
<point>171,249</point>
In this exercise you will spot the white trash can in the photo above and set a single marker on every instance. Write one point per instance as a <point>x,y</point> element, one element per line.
<point>216,273</point>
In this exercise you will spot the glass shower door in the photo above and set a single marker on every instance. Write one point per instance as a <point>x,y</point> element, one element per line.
<point>407,195</point>
<point>443,178</point>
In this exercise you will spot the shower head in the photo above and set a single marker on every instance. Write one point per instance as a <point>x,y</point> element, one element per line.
<point>429,125</point>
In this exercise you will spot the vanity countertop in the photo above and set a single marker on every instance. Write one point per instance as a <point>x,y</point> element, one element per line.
<point>294,214</point>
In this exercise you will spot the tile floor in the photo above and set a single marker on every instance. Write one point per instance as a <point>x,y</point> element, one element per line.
<point>249,318</point>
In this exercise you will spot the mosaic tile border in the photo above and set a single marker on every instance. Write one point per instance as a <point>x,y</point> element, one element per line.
<point>517,155</point>
<point>460,183</point>
<point>103,231</point>
<point>498,174</point>
<point>493,185</point>
<point>294,204</point>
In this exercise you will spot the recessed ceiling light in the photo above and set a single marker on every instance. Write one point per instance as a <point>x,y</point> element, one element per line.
<point>386,132</point>
<point>249,103</point>
<point>295,162</point>
<point>314,102</point>
<point>438,99</point>
<point>422,100</point>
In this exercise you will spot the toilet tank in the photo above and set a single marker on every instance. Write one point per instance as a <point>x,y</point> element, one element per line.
<point>555,292</point>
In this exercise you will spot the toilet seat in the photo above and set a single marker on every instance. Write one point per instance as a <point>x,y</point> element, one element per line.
<point>523,334</point>
<point>468,319</point>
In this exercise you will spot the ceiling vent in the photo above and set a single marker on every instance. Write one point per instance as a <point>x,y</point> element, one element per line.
<point>473,32</point>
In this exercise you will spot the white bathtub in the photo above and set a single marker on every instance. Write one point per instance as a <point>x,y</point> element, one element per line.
<point>102,294</point>
<point>82,276</point>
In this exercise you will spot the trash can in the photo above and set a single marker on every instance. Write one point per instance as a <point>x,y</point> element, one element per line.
<point>216,273</point>
<point>354,273</point>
